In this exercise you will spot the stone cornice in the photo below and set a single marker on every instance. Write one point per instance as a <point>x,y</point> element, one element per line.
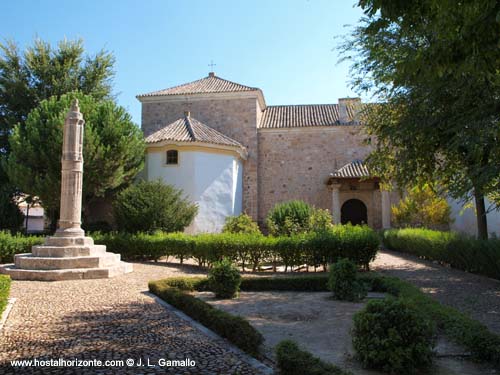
<point>257,94</point>
<point>198,146</point>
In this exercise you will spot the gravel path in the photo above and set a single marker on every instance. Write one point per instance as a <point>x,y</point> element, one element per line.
<point>108,320</point>
<point>475,295</point>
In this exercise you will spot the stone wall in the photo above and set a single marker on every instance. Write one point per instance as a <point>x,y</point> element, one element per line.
<point>295,164</point>
<point>234,117</point>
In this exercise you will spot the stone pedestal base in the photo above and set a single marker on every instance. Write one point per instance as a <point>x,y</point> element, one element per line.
<point>66,258</point>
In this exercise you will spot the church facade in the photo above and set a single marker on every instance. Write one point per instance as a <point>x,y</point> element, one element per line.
<point>230,152</point>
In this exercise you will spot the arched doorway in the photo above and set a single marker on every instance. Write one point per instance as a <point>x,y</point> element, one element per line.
<point>353,211</point>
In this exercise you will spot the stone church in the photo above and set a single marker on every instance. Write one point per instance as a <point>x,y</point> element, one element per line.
<point>230,152</point>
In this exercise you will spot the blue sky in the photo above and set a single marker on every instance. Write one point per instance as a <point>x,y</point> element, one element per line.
<point>284,47</point>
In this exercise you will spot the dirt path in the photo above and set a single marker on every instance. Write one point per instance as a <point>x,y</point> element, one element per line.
<point>475,295</point>
<point>110,319</point>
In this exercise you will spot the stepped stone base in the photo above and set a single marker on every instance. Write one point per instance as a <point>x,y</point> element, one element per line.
<point>66,258</point>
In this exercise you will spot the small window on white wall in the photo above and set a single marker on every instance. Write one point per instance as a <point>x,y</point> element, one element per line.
<point>172,157</point>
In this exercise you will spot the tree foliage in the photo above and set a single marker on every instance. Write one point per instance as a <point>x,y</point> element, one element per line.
<point>11,218</point>
<point>42,71</point>
<point>435,66</point>
<point>422,207</point>
<point>148,206</point>
<point>113,149</point>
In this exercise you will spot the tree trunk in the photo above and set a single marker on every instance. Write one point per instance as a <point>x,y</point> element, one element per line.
<point>482,223</point>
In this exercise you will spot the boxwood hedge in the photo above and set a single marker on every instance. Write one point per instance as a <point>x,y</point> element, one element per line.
<point>358,243</point>
<point>459,251</point>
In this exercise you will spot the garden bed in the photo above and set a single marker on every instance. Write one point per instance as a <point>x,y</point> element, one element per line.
<point>297,308</point>
<point>321,325</point>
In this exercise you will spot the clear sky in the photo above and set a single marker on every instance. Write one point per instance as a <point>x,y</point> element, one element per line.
<point>284,47</point>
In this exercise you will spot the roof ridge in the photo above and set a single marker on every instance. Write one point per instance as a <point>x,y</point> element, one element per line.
<point>299,105</point>
<point>189,127</point>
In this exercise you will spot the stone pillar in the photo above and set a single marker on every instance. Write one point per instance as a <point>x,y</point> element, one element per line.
<point>386,209</point>
<point>335,203</point>
<point>71,175</point>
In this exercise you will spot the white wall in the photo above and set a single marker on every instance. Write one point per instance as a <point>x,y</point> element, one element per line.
<point>465,218</point>
<point>211,180</point>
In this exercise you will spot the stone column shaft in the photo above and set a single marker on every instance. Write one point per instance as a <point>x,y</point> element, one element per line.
<point>386,209</point>
<point>336,203</point>
<point>72,175</point>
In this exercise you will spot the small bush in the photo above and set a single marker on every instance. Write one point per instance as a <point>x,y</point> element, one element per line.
<point>293,361</point>
<point>422,207</point>
<point>288,218</point>
<point>224,279</point>
<point>320,220</point>
<point>343,281</point>
<point>4,292</point>
<point>234,328</point>
<point>392,336</point>
<point>242,223</point>
<point>148,206</point>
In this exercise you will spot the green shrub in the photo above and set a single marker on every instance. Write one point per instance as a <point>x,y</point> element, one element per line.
<point>288,218</point>
<point>343,281</point>
<point>293,361</point>
<point>234,328</point>
<point>422,207</point>
<point>460,328</point>
<point>4,292</point>
<point>392,336</point>
<point>224,279</point>
<point>320,220</point>
<point>148,206</point>
<point>16,244</point>
<point>459,251</point>
<point>359,244</point>
<point>242,223</point>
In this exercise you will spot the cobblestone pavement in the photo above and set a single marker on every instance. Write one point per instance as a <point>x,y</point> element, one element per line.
<point>475,295</point>
<point>108,319</point>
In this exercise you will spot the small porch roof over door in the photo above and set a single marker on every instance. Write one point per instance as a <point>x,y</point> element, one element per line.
<point>353,171</point>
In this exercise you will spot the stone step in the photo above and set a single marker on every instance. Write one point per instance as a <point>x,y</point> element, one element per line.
<point>68,251</point>
<point>31,262</point>
<point>69,241</point>
<point>69,274</point>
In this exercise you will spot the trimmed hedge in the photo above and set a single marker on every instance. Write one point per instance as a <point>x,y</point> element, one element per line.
<point>235,328</point>
<point>293,361</point>
<point>4,291</point>
<point>483,344</point>
<point>16,244</point>
<point>458,251</point>
<point>357,243</point>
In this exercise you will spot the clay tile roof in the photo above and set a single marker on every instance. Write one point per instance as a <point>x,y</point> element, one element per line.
<point>188,129</point>
<point>210,84</point>
<point>292,116</point>
<point>355,169</point>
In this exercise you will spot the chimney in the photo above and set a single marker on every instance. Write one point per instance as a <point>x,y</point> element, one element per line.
<point>349,110</point>
<point>211,74</point>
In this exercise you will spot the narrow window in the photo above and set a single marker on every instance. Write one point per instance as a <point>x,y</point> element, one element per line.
<point>172,157</point>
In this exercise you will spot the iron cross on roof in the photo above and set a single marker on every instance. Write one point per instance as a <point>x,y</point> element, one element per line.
<point>211,65</point>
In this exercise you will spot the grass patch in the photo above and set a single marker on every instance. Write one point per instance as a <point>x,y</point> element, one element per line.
<point>4,291</point>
